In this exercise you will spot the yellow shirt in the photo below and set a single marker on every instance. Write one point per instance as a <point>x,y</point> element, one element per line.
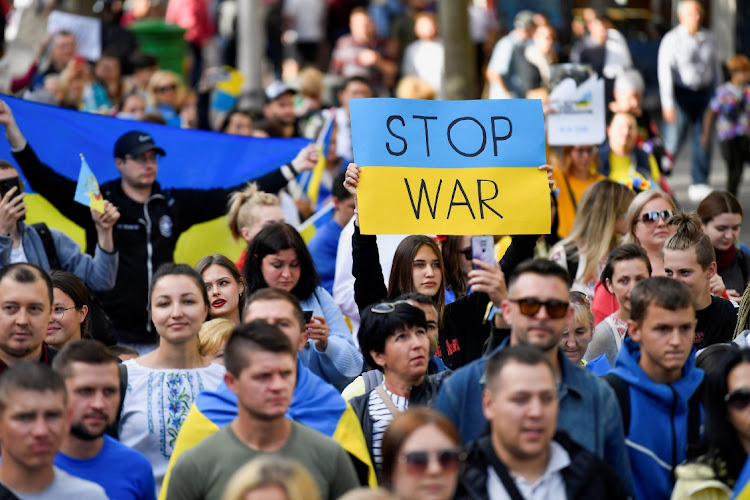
<point>621,168</point>
<point>566,211</point>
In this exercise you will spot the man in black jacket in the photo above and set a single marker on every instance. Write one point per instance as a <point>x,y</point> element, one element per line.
<point>152,218</point>
<point>522,457</point>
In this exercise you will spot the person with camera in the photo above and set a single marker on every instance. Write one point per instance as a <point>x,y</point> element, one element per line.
<point>49,248</point>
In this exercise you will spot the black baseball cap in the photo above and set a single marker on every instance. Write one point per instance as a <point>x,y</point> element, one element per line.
<point>134,143</point>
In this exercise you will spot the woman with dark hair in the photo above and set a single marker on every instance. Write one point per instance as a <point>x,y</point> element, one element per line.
<point>721,215</point>
<point>456,252</point>
<point>278,258</point>
<point>70,310</point>
<point>225,287</point>
<point>393,338</point>
<point>421,455</point>
<point>726,431</point>
<point>418,267</point>
<point>163,384</point>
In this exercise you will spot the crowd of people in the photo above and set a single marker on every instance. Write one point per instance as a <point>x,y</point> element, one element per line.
<point>608,358</point>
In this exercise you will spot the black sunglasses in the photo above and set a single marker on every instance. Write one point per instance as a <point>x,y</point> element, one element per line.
<point>654,216</point>
<point>556,309</point>
<point>739,399</point>
<point>388,307</point>
<point>418,461</point>
<point>579,299</point>
<point>466,252</point>
<point>165,88</point>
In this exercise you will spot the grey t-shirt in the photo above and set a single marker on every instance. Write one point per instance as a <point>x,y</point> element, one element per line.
<point>204,471</point>
<point>66,487</point>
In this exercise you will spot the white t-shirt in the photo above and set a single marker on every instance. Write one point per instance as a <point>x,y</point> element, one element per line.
<point>155,406</point>
<point>17,254</point>
<point>549,485</point>
<point>66,487</point>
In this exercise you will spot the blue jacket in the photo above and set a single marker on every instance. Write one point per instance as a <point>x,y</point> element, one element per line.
<point>323,248</point>
<point>97,272</point>
<point>658,435</point>
<point>589,411</point>
<point>341,362</point>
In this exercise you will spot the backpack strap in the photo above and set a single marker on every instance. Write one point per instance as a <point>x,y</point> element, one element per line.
<point>622,391</point>
<point>49,244</point>
<point>372,378</point>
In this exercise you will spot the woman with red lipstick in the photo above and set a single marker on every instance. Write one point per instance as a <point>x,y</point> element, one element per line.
<point>225,287</point>
<point>70,310</point>
<point>418,267</point>
<point>721,215</point>
<point>163,384</point>
<point>278,258</point>
<point>393,337</point>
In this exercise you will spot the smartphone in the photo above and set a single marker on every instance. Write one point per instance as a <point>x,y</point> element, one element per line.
<point>308,316</point>
<point>7,184</point>
<point>483,248</point>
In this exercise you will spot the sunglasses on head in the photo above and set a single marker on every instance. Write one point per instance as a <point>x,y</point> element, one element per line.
<point>650,217</point>
<point>739,399</point>
<point>466,252</point>
<point>165,88</point>
<point>388,307</point>
<point>556,309</point>
<point>418,461</point>
<point>579,299</point>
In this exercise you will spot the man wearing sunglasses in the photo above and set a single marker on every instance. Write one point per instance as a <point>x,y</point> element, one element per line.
<point>152,218</point>
<point>538,312</point>
<point>657,383</point>
<point>522,456</point>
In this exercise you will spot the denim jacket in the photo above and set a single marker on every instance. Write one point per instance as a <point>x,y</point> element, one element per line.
<point>589,411</point>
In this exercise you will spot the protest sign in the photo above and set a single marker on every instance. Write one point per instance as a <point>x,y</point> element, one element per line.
<point>450,167</point>
<point>88,32</point>
<point>576,115</point>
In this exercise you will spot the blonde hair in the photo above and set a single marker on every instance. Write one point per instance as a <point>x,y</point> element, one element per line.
<point>640,201</point>
<point>411,87</point>
<point>213,335</point>
<point>583,316</point>
<point>593,232</point>
<point>241,205</point>
<point>311,82</point>
<point>157,77</point>
<point>368,494</point>
<point>288,475</point>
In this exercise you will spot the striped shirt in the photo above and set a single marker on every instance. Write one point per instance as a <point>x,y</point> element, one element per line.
<point>381,418</point>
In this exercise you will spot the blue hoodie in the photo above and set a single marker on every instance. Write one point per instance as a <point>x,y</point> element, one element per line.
<point>658,435</point>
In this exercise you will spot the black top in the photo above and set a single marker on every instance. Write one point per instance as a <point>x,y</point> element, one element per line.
<point>716,323</point>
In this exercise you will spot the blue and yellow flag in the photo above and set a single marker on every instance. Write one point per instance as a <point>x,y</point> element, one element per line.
<point>310,181</point>
<point>450,167</point>
<point>195,159</point>
<point>87,189</point>
<point>308,228</point>
<point>742,488</point>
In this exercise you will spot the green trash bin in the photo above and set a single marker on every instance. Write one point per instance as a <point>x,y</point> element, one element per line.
<point>166,41</point>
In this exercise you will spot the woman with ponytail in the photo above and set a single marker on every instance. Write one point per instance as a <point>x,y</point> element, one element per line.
<point>250,210</point>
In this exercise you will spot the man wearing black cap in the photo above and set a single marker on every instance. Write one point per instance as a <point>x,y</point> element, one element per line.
<point>279,119</point>
<point>152,217</point>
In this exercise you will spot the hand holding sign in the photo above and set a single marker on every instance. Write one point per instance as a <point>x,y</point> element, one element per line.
<point>449,167</point>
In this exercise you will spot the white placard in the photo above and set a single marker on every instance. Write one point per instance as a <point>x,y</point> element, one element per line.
<point>576,113</point>
<point>88,32</point>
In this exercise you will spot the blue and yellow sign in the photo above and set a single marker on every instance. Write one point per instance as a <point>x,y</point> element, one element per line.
<point>450,167</point>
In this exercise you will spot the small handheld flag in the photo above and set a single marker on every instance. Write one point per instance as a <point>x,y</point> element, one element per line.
<point>87,189</point>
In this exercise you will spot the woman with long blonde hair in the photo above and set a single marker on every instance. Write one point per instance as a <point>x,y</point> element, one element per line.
<point>597,230</point>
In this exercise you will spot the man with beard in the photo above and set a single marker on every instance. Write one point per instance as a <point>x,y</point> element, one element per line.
<point>92,380</point>
<point>26,301</point>
<point>279,119</point>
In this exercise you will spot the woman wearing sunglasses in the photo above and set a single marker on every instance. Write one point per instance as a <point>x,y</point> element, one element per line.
<point>721,215</point>
<point>393,337</point>
<point>646,220</point>
<point>421,456</point>
<point>726,431</point>
<point>575,173</point>
<point>165,96</point>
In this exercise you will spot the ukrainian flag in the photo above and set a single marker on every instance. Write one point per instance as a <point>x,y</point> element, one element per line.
<point>310,181</point>
<point>308,228</point>
<point>742,489</point>
<point>315,404</point>
<point>195,159</point>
